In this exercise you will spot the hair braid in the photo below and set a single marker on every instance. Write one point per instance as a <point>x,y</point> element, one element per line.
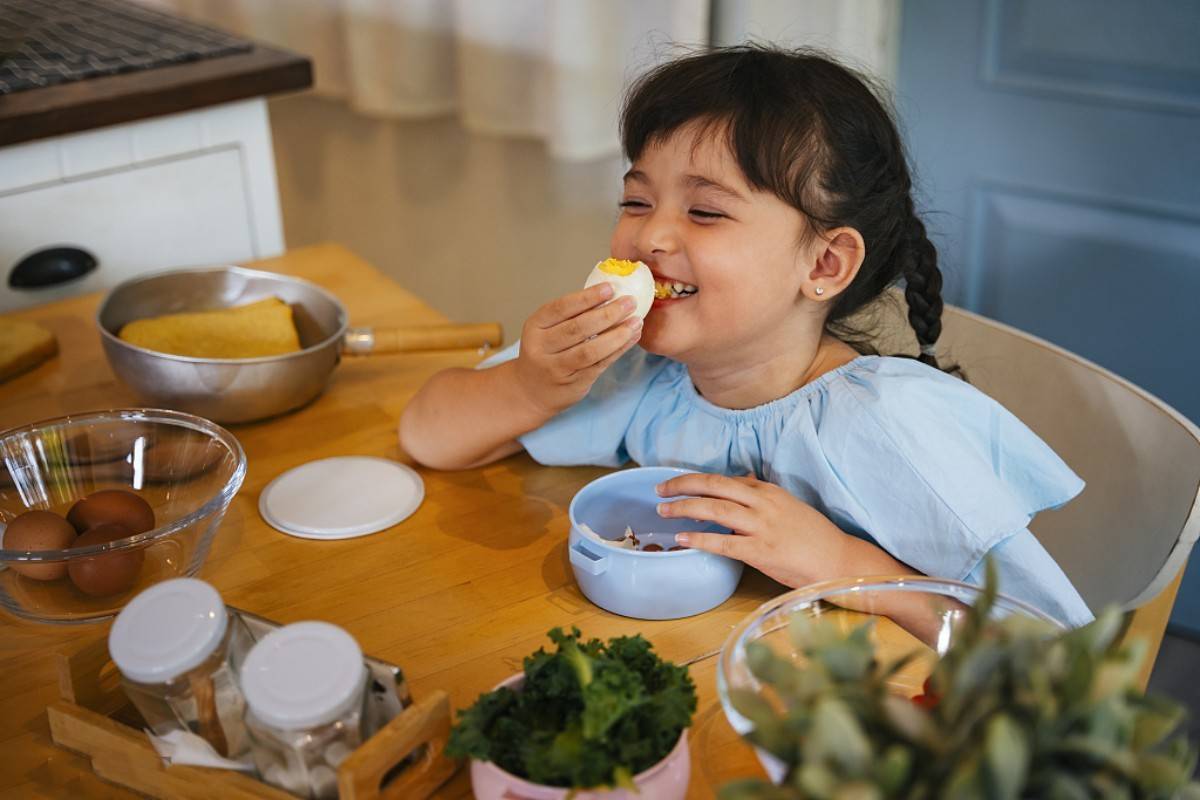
<point>923,287</point>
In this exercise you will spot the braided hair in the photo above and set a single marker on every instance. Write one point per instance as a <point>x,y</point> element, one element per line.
<point>922,289</point>
<point>816,135</point>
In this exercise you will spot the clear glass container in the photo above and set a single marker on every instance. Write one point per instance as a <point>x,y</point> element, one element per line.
<point>179,651</point>
<point>911,616</point>
<point>186,468</point>
<point>305,685</point>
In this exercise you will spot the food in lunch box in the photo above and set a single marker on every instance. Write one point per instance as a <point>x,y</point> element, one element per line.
<point>36,531</point>
<point>115,506</point>
<point>589,714</point>
<point>628,541</point>
<point>631,278</point>
<point>264,328</point>
<point>110,573</point>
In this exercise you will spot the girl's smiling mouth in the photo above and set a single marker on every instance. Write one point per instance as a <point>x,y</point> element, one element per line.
<point>666,289</point>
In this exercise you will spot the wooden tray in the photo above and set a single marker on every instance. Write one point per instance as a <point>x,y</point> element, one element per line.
<point>404,759</point>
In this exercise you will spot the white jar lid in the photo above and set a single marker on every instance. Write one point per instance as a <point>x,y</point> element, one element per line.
<point>167,630</point>
<point>303,675</point>
<point>341,497</point>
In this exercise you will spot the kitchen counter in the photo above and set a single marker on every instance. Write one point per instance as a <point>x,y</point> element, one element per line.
<point>96,102</point>
<point>167,164</point>
<point>75,65</point>
<point>457,594</point>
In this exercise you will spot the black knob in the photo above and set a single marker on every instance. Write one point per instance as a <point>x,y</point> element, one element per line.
<point>51,267</point>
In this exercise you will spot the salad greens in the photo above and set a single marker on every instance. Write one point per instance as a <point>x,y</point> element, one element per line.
<point>589,714</point>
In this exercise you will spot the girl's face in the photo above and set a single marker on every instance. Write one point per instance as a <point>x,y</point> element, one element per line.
<point>688,213</point>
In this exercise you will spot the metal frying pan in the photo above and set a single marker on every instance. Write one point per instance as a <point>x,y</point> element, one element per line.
<point>233,390</point>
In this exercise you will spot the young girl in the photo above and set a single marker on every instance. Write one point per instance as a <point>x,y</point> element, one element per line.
<point>769,190</point>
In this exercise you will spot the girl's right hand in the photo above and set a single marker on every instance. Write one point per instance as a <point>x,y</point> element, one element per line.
<point>568,342</point>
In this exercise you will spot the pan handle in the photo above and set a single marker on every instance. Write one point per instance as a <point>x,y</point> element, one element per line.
<point>364,341</point>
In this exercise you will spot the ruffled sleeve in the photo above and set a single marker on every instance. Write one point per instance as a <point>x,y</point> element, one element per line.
<point>934,470</point>
<point>593,430</point>
<point>1026,571</point>
<point>501,355</point>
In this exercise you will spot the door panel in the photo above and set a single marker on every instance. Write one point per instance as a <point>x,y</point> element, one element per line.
<point>1091,276</point>
<point>1146,53</point>
<point>1057,151</point>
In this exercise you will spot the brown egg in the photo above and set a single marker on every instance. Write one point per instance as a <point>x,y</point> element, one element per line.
<point>39,530</point>
<point>112,506</point>
<point>652,548</point>
<point>106,574</point>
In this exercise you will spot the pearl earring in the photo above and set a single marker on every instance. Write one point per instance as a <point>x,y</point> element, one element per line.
<point>820,290</point>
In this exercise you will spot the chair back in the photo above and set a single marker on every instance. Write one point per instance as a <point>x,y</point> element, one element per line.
<point>1124,539</point>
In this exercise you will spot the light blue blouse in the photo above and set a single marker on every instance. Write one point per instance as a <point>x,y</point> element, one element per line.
<point>925,465</point>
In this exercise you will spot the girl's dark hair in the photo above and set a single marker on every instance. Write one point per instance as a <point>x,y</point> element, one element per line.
<point>813,133</point>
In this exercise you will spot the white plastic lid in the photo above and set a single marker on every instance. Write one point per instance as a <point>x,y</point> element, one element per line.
<point>303,675</point>
<point>167,630</point>
<point>342,497</point>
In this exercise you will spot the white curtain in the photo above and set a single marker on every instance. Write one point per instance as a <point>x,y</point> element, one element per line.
<point>551,69</point>
<point>862,33</point>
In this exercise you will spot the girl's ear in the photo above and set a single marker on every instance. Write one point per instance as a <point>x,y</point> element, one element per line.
<point>837,256</point>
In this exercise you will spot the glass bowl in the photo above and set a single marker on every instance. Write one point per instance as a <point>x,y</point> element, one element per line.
<point>185,467</point>
<point>911,614</point>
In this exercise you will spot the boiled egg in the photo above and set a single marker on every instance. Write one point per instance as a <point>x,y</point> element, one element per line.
<point>112,506</point>
<point>631,278</point>
<point>39,530</point>
<point>110,573</point>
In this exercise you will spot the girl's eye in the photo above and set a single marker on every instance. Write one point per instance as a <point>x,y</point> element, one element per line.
<point>634,205</point>
<point>705,215</point>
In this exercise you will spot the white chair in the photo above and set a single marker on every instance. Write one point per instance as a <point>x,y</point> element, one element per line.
<point>1127,537</point>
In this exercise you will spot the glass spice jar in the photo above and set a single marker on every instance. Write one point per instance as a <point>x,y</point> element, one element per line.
<point>179,650</point>
<point>305,685</point>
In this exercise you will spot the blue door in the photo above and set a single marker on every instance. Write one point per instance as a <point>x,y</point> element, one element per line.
<point>1057,143</point>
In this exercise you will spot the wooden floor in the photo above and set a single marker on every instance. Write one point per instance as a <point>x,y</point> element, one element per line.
<point>481,228</point>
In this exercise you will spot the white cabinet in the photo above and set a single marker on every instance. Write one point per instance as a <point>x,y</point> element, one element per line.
<point>180,190</point>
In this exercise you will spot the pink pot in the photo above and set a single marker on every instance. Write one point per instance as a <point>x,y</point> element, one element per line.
<point>666,780</point>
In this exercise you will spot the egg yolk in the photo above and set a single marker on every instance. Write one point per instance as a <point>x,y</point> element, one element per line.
<point>618,266</point>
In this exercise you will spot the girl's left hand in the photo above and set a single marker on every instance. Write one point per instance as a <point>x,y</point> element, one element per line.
<point>773,532</point>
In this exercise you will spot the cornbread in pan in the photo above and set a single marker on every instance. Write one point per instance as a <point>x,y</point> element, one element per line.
<point>264,328</point>
<point>23,345</point>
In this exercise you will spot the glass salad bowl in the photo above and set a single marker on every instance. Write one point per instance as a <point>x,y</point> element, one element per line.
<point>185,468</point>
<point>911,615</point>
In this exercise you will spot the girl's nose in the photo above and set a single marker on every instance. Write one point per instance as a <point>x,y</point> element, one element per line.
<point>658,234</point>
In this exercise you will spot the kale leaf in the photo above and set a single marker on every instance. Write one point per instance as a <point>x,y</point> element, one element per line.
<point>589,714</point>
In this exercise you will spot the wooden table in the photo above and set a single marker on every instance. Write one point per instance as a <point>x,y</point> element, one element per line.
<point>457,594</point>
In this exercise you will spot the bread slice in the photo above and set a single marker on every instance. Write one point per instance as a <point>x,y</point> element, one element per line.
<point>23,345</point>
<point>265,328</point>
